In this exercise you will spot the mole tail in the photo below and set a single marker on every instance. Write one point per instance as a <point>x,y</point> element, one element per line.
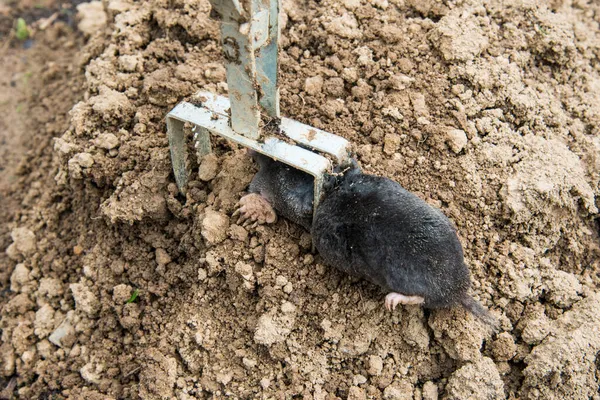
<point>475,308</point>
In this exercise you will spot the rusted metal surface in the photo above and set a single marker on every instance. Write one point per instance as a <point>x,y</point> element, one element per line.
<point>240,64</point>
<point>211,117</point>
<point>250,33</point>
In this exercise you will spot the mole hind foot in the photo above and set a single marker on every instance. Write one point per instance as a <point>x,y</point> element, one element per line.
<point>253,209</point>
<point>393,299</point>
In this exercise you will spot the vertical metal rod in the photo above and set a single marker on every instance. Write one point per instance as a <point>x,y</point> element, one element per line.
<point>267,64</point>
<point>238,49</point>
<point>178,150</point>
<point>202,140</point>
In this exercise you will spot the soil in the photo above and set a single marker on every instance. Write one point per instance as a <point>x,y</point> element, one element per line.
<point>116,286</point>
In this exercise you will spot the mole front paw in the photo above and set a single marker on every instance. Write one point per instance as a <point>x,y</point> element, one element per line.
<point>393,299</point>
<point>254,210</point>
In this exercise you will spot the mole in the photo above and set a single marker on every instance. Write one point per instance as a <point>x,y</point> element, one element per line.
<point>277,186</point>
<point>372,228</point>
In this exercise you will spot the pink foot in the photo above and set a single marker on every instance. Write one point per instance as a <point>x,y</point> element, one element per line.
<point>393,299</point>
<point>253,210</point>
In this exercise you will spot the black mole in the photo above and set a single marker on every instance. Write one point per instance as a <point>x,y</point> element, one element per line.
<point>373,228</point>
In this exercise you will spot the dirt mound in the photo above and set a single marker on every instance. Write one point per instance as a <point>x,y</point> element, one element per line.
<point>120,287</point>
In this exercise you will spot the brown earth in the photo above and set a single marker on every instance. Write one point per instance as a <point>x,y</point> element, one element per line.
<point>488,110</point>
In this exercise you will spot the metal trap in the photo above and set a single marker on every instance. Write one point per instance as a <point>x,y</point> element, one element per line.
<point>250,33</point>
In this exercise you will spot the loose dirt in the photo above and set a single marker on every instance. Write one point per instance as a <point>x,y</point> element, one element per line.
<point>116,286</point>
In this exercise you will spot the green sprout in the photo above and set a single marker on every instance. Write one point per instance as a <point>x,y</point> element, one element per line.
<point>26,76</point>
<point>543,30</point>
<point>22,31</point>
<point>134,296</point>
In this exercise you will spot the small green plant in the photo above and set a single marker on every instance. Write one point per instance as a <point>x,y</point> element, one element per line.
<point>134,296</point>
<point>27,76</point>
<point>22,30</point>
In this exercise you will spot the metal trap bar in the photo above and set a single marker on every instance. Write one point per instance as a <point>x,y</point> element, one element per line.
<point>250,32</point>
<point>211,117</point>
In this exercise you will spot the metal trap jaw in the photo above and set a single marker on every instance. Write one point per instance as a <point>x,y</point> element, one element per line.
<point>249,35</point>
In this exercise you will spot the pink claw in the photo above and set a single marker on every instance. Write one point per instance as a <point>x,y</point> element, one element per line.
<point>254,210</point>
<point>393,299</point>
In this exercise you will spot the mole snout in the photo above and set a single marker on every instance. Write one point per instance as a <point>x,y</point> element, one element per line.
<point>373,228</point>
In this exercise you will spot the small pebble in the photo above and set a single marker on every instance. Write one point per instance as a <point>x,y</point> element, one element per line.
<point>375,365</point>
<point>162,257</point>
<point>359,379</point>
<point>265,383</point>
<point>456,139</point>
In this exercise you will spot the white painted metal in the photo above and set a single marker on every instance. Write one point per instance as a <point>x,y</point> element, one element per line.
<point>250,33</point>
<point>208,121</point>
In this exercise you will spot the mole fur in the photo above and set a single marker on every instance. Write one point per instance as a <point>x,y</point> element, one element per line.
<point>373,228</point>
<point>289,190</point>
